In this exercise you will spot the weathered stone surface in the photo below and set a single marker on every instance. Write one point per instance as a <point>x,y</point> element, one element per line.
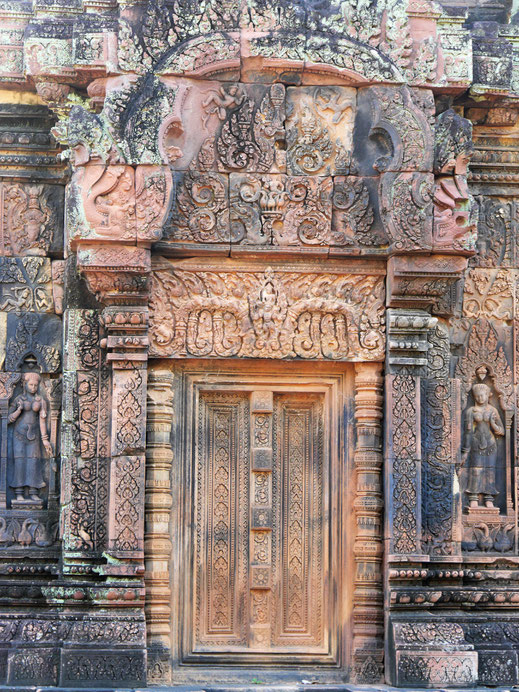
<point>259,343</point>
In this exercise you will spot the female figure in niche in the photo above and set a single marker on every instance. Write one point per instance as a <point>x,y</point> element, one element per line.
<point>482,425</point>
<point>28,412</point>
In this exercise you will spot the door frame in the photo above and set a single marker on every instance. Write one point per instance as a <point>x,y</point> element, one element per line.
<point>336,382</point>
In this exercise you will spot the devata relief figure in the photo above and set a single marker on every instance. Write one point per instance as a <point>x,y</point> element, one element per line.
<point>28,413</point>
<point>482,424</point>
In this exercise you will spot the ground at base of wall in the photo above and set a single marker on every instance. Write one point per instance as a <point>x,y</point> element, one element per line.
<point>258,688</point>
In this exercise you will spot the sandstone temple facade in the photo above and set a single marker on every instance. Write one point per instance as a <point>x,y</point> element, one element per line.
<point>259,343</point>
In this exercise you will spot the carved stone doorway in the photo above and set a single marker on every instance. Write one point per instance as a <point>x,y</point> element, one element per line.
<point>262,532</point>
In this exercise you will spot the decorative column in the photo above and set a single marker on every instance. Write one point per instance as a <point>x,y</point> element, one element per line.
<point>157,540</point>
<point>406,363</point>
<point>368,615</point>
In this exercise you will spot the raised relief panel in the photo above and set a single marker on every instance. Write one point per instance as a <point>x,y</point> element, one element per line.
<point>279,210</point>
<point>31,222</point>
<point>200,309</point>
<point>319,130</point>
<point>227,127</point>
<point>200,211</point>
<point>406,208</point>
<point>25,284</point>
<point>393,131</point>
<point>356,221</point>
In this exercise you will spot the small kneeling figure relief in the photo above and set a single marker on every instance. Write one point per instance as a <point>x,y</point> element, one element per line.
<point>28,413</point>
<point>482,425</point>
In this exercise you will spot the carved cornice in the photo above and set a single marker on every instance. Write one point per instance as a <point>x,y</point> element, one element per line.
<point>421,282</point>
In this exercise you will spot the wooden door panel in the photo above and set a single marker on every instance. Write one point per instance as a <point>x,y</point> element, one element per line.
<point>298,494</point>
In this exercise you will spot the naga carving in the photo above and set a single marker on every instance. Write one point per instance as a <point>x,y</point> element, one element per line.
<point>455,212</point>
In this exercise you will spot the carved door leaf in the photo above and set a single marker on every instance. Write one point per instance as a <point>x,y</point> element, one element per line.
<point>261,518</point>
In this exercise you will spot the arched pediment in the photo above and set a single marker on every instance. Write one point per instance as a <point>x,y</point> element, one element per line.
<point>338,59</point>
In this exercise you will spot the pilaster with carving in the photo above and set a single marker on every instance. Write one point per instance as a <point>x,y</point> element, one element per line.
<point>157,538</point>
<point>406,362</point>
<point>368,618</point>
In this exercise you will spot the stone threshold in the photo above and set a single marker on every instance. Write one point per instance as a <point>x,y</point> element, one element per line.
<point>296,687</point>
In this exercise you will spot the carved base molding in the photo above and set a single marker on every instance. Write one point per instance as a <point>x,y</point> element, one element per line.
<point>73,649</point>
<point>455,650</point>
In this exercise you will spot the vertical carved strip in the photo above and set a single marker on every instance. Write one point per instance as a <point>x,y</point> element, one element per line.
<point>126,520</point>
<point>368,619</point>
<point>403,463</point>
<point>262,403</point>
<point>515,474</point>
<point>441,520</point>
<point>84,487</point>
<point>158,502</point>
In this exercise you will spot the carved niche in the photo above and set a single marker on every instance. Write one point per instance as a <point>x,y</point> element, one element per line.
<point>29,492</point>
<point>486,465</point>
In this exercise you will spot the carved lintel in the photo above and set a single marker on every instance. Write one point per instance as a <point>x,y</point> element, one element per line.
<point>426,281</point>
<point>284,310</point>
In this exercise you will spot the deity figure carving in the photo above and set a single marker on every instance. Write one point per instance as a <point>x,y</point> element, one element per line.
<point>28,414</point>
<point>482,427</point>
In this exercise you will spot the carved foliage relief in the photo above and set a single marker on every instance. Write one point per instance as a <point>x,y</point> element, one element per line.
<point>308,167</point>
<point>282,311</point>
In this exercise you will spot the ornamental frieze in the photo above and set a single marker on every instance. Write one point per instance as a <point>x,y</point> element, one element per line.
<point>285,310</point>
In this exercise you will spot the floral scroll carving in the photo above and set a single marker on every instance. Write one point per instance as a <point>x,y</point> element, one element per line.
<point>281,210</point>
<point>278,312</point>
